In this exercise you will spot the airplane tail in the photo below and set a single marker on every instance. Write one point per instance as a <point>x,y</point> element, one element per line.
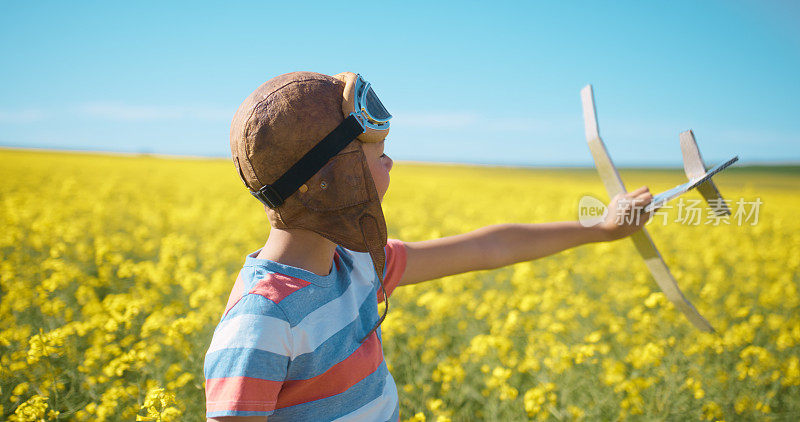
<point>694,167</point>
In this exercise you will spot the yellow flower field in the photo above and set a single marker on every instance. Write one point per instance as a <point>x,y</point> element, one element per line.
<point>115,271</point>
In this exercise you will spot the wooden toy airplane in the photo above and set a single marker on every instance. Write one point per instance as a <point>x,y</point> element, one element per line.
<point>698,178</point>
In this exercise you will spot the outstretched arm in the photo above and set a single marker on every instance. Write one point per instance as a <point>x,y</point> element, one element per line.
<point>499,245</point>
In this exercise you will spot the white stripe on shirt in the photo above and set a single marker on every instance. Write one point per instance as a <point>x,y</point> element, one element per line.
<point>252,331</point>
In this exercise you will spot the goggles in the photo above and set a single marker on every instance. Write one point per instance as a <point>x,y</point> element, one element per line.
<point>367,119</point>
<point>368,107</point>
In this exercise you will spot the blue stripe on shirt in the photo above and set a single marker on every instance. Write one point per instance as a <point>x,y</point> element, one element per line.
<point>253,304</point>
<point>245,362</point>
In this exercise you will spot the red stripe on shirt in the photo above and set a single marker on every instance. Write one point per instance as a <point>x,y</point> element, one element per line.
<point>345,374</point>
<point>276,287</point>
<point>396,259</point>
<point>241,393</point>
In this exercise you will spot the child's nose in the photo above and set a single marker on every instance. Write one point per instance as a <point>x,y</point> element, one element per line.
<point>389,163</point>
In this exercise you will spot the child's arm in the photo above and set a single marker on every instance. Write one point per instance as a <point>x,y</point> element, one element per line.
<point>505,244</point>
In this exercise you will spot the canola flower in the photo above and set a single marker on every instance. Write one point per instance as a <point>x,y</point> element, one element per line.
<point>115,270</point>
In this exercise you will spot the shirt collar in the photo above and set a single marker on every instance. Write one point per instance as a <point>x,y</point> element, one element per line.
<point>277,267</point>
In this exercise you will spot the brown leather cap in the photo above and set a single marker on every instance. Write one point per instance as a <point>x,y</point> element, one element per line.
<point>274,127</point>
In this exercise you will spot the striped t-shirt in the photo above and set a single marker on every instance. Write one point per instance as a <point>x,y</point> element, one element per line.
<point>287,344</point>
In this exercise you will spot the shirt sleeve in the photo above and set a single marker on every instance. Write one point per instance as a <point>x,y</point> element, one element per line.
<point>247,361</point>
<point>395,266</point>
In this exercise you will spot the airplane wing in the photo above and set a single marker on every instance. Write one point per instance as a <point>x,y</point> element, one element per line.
<point>641,239</point>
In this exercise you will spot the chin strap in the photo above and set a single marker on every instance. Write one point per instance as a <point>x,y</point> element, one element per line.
<point>375,244</point>
<point>385,311</point>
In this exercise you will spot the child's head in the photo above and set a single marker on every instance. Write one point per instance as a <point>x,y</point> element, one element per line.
<point>284,142</point>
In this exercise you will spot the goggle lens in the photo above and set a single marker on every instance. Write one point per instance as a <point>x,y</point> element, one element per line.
<point>375,107</point>
<point>369,106</point>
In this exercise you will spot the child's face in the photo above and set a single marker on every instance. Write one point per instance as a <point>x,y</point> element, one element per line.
<point>379,165</point>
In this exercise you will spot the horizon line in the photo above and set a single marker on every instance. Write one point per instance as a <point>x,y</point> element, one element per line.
<point>788,163</point>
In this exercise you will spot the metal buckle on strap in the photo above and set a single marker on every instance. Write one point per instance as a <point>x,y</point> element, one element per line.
<point>268,196</point>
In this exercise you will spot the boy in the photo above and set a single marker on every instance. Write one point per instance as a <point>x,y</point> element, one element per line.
<point>300,336</point>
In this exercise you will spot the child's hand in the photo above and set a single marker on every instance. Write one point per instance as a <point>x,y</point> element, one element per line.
<point>625,214</point>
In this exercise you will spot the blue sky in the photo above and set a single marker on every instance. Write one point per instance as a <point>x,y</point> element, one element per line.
<point>467,82</point>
